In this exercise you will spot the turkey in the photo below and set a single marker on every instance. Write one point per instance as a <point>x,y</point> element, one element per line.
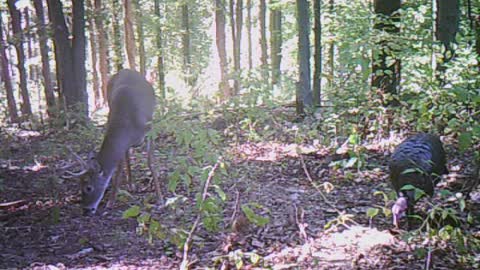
<point>418,161</point>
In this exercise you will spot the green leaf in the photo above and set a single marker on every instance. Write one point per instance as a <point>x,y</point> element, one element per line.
<point>372,212</point>
<point>465,141</point>
<point>254,218</point>
<point>131,212</point>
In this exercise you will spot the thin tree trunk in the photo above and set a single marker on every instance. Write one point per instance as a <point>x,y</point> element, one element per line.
<point>317,73</point>
<point>7,79</point>
<point>275,40</point>
<point>263,39</point>
<point>28,39</point>
<point>93,50</point>
<point>186,44</point>
<point>117,35</point>
<point>26,107</point>
<point>160,61</point>
<point>331,50</point>
<point>238,51</point>
<point>304,85</point>
<point>221,47</point>
<point>42,36</point>
<point>249,33</point>
<point>102,47</point>
<point>129,35</point>
<point>141,37</point>
<point>387,82</point>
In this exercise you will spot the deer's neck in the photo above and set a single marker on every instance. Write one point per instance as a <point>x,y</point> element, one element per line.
<point>113,151</point>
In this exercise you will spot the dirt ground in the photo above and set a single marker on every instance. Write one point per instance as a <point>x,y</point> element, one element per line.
<point>42,226</point>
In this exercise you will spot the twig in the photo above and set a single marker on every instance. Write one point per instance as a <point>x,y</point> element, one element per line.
<point>184,265</point>
<point>316,187</point>
<point>235,209</point>
<point>428,259</point>
<point>301,226</point>
<point>324,198</point>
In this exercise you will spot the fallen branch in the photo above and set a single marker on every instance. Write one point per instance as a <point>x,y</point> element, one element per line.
<point>185,264</point>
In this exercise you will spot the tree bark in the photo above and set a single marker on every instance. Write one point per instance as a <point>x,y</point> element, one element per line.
<point>275,40</point>
<point>129,35</point>
<point>331,50</point>
<point>386,77</point>
<point>263,39</point>
<point>117,35</point>
<point>141,37</point>
<point>46,71</point>
<point>160,61</point>
<point>102,47</point>
<point>187,61</point>
<point>26,107</point>
<point>249,33</point>
<point>238,41</point>
<point>7,79</point>
<point>94,52</point>
<point>79,56</point>
<point>448,17</point>
<point>220,39</point>
<point>304,91</point>
<point>317,73</point>
<point>70,55</point>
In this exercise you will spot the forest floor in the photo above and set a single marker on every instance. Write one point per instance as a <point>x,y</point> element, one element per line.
<point>42,226</point>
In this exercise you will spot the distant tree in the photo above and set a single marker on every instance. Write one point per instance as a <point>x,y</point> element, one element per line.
<point>275,40</point>
<point>6,78</point>
<point>186,46</point>
<point>44,50</point>
<point>141,37</point>
<point>304,91</point>
<point>249,33</point>
<point>317,72</point>
<point>70,54</point>
<point>386,74</point>
<point>94,52</point>
<point>129,34</point>
<point>446,27</point>
<point>117,35</point>
<point>101,34</point>
<point>220,39</point>
<point>263,38</point>
<point>160,55</point>
<point>15,15</point>
<point>331,50</point>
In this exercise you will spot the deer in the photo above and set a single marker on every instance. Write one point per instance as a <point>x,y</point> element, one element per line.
<point>131,101</point>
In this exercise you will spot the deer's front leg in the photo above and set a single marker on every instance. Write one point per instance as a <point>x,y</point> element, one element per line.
<point>116,181</point>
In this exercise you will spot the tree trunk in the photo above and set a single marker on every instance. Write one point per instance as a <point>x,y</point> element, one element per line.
<point>275,40</point>
<point>160,61</point>
<point>94,51</point>
<point>221,47</point>
<point>331,51</point>
<point>447,19</point>
<point>129,35</point>
<point>7,79</point>
<point>79,56</point>
<point>477,39</point>
<point>70,56</point>
<point>304,91</point>
<point>46,72</point>
<point>102,47</point>
<point>141,37</point>
<point>187,61</point>
<point>249,33</point>
<point>263,39</point>
<point>386,77</point>
<point>26,107</point>
<point>117,35</point>
<point>238,42</point>
<point>317,73</point>
<point>29,37</point>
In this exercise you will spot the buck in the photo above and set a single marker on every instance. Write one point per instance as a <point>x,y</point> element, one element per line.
<point>131,100</point>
